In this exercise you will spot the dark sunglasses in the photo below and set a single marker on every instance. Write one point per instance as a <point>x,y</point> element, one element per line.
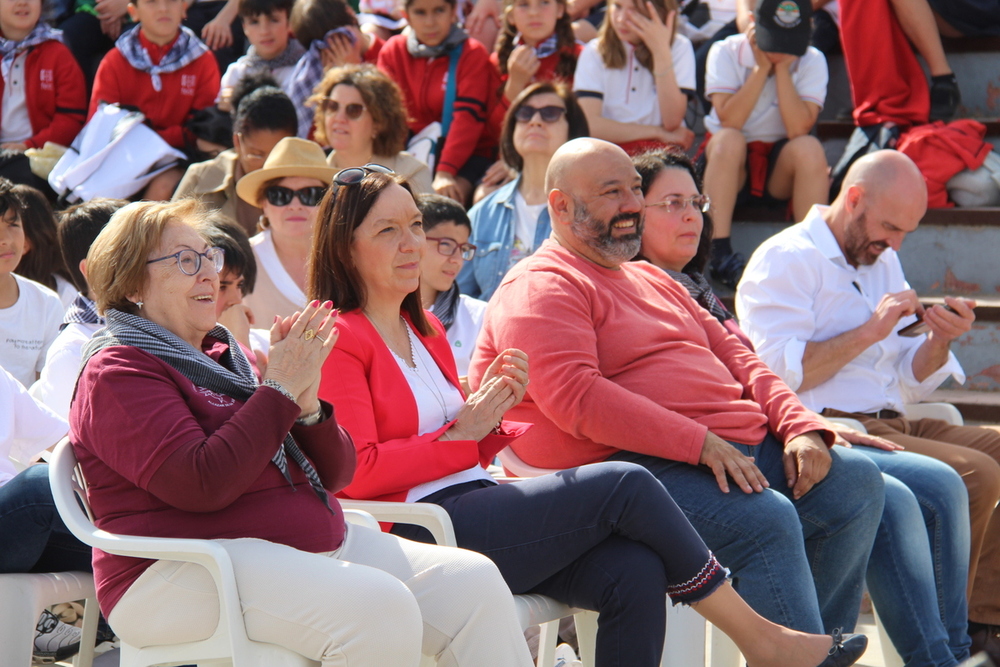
<point>550,114</point>
<point>353,175</point>
<point>353,110</point>
<point>278,195</point>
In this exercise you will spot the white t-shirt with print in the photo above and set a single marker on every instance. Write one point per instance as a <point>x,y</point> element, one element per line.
<point>730,63</point>
<point>629,94</point>
<point>28,328</point>
<point>525,226</point>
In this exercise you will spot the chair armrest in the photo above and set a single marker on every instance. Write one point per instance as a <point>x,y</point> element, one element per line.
<point>850,423</point>
<point>432,517</point>
<point>359,518</point>
<point>943,411</point>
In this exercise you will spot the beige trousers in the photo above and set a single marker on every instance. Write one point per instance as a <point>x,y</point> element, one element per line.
<point>378,600</point>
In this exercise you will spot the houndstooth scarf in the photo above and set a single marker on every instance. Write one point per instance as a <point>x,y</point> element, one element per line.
<point>445,306</point>
<point>185,51</point>
<point>417,49</point>
<point>701,291</point>
<point>81,311</point>
<point>9,49</point>
<point>232,377</point>
<point>287,58</point>
<point>545,48</point>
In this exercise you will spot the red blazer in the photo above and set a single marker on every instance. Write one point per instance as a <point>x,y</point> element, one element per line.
<point>56,94</point>
<point>373,401</point>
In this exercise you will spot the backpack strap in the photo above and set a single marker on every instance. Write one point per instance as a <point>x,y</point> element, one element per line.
<point>449,95</point>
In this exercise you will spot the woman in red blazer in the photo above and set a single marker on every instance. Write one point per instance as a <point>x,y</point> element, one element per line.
<point>606,536</point>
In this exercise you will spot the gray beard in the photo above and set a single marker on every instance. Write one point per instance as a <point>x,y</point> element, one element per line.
<point>599,237</point>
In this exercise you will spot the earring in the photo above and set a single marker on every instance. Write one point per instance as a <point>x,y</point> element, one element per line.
<point>139,304</point>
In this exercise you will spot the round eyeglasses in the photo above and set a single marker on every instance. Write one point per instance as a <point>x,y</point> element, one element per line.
<point>449,247</point>
<point>278,195</point>
<point>353,175</point>
<point>549,114</point>
<point>189,261</point>
<point>677,204</point>
<point>353,110</point>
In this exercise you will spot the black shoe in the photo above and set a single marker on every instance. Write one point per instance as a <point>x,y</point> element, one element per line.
<point>945,97</point>
<point>846,650</point>
<point>729,269</point>
<point>985,638</point>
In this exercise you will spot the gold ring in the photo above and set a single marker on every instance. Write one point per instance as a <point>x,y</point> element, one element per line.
<point>309,334</point>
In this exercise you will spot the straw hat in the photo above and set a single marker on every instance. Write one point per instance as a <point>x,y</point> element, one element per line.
<point>291,157</point>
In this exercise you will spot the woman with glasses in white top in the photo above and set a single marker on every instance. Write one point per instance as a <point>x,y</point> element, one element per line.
<point>288,190</point>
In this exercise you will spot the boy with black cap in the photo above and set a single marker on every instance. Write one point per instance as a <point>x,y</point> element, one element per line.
<point>767,88</point>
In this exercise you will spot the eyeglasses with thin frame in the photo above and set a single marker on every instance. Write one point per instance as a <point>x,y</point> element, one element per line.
<point>354,175</point>
<point>279,195</point>
<point>352,110</point>
<point>677,203</point>
<point>550,114</point>
<point>189,261</point>
<point>448,247</point>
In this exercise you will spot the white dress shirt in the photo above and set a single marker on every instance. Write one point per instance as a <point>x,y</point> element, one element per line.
<point>798,287</point>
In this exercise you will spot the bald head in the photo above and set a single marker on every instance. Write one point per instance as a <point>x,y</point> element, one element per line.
<point>889,173</point>
<point>576,163</point>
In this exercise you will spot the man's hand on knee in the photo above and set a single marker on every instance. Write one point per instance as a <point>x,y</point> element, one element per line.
<point>807,461</point>
<point>725,459</point>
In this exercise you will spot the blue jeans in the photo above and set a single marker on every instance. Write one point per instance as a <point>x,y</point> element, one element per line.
<point>800,563</point>
<point>919,566</point>
<point>32,536</point>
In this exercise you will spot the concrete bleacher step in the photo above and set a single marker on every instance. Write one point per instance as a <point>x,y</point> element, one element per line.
<point>981,407</point>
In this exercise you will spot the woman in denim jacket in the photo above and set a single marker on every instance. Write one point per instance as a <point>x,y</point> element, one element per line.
<point>510,223</point>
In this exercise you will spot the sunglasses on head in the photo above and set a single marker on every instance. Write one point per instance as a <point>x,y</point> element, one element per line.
<point>278,195</point>
<point>550,114</point>
<point>352,110</point>
<point>353,175</point>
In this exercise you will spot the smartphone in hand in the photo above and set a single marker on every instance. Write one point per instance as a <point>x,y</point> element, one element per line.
<point>919,327</point>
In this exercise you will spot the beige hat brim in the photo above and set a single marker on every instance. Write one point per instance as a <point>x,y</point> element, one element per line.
<point>248,186</point>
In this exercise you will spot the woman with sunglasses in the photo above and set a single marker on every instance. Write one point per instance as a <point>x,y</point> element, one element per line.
<point>447,229</point>
<point>178,438</point>
<point>510,223</point>
<point>605,536</point>
<point>361,116</point>
<point>288,189</point>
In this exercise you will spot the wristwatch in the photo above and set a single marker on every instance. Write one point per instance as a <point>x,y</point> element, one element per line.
<point>311,419</point>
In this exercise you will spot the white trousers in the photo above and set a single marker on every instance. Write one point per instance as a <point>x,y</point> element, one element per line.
<point>377,600</point>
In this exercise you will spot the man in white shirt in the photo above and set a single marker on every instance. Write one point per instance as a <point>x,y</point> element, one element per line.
<point>824,302</point>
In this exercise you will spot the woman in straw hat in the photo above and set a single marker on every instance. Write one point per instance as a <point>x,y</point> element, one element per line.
<point>288,190</point>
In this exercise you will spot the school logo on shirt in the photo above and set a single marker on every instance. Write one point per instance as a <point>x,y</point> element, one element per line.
<point>188,82</point>
<point>218,400</point>
<point>47,79</point>
<point>788,15</point>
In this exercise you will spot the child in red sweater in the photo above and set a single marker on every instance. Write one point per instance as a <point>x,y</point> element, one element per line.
<point>160,68</point>
<point>419,63</point>
<point>42,88</point>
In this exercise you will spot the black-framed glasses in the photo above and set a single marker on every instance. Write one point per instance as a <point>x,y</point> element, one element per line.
<point>189,261</point>
<point>550,114</point>
<point>279,195</point>
<point>676,203</point>
<point>448,247</point>
<point>353,175</point>
<point>353,110</point>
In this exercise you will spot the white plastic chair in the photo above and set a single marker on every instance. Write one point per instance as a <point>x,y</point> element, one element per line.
<point>943,411</point>
<point>687,631</point>
<point>229,645</point>
<point>531,609</point>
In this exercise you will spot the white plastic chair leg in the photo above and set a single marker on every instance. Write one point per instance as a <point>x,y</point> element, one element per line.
<point>684,645</point>
<point>548,635</point>
<point>890,658</point>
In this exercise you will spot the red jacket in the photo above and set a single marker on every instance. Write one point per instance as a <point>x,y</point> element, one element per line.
<point>423,83</point>
<point>373,401</point>
<point>56,94</point>
<point>185,91</point>
<point>546,72</point>
<point>941,151</point>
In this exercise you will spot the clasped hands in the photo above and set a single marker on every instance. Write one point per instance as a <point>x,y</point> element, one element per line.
<point>502,387</point>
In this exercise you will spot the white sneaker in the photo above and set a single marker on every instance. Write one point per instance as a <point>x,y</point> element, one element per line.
<point>54,640</point>
<point>566,657</point>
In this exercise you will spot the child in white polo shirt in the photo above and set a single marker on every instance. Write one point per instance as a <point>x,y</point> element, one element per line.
<point>767,87</point>
<point>634,80</point>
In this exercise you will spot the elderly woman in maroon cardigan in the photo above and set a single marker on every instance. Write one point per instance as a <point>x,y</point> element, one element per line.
<point>178,439</point>
<point>605,536</point>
